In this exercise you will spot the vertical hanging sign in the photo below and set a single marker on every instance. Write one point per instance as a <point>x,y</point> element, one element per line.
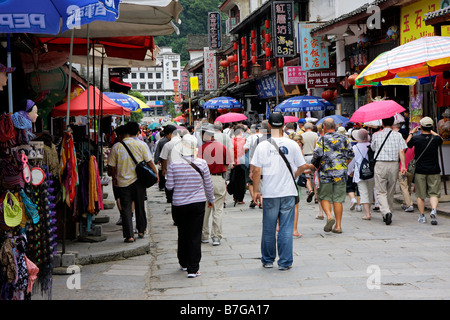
<point>214,31</point>
<point>283,30</point>
<point>210,69</point>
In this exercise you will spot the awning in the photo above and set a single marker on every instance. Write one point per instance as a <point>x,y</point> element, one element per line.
<point>120,82</point>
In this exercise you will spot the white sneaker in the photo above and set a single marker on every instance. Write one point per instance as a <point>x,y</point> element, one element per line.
<point>422,219</point>
<point>194,275</point>
<point>215,241</point>
<point>359,208</point>
<point>353,204</point>
<point>409,209</point>
<point>433,217</point>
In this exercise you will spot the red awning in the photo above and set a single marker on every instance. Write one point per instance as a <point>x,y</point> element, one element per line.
<point>120,82</point>
<point>78,106</point>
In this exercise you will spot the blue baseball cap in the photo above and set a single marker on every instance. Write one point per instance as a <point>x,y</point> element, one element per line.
<point>302,120</point>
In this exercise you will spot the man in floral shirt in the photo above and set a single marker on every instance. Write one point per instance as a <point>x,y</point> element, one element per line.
<point>331,156</point>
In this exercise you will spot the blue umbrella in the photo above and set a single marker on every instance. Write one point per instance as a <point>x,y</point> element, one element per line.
<point>44,16</point>
<point>124,101</point>
<point>304,104</point>
<point>222,103</point>
<point>337,119</point>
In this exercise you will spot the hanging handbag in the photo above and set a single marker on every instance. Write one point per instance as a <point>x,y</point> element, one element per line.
<point>145,174</point>
<point>297,198</point>
<point>413,163</point>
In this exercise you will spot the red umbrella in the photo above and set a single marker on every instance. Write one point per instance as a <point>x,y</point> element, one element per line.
<point>290,119</point>
<point>377,110</point>
<point>231,117</point>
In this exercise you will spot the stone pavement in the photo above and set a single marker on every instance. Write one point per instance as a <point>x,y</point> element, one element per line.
<point>369,260</point>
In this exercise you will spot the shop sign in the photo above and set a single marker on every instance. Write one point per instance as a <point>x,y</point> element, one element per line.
<point>412,26</point>
<point>176,91</point>
<point>210,80</point>
<point>358,60</point>
<point>184,81</point>
<point>222,76</point>
<point>266,87</point>
<point>294,75</point>
<point>314,54</point>
<point>321,79</point>
<point>214,31</point>
<point>283,31</point>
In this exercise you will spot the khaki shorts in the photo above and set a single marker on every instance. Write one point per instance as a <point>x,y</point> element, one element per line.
<point>427,185</point>
<point>333,191</point>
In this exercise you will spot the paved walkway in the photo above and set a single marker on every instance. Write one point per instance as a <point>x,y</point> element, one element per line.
<point>369,260</point>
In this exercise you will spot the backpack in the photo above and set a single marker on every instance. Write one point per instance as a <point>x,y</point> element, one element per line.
<point>366,168</point>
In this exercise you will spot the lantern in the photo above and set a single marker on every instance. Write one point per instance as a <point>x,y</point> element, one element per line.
<point>235,46</point>
<point>352,78</point>
<point>244,75</point>
<point>253,59</point>
<point>236,79</point>
<point>328,95</point>
<point>222,111</point>
<point>236,68</point>
<point>253,47</point>
<point>268,65</point>
<point>244,63</point>
<point>230,59</point>
<point>267,52</point>
<point>243,40</point>
<point>253,34</point>
<point>263,33</point>
<point>243,53</point>
<point>235,58</point>
<point>224,63</point>
<point>267,24</point>
<point>280,62</point>
<point>267,37</point>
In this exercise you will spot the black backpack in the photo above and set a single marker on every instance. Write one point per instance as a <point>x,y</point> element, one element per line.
<point>366,169</point>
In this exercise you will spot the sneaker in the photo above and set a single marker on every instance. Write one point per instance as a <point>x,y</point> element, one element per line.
<point>284,268</point>
<point>404,206</point>
<point>194,275</point>
<point>252,204</point>
<point>408,209</point>
<point>433,217</point>
<point>422,219</point>
<point>215,241</point>
<point>388,218</point>
<point>268,265</point>
<point>310,196</point>
<point>359,208</point>
<point>376,208</point>
<point>205,241</point>
<point>353,204</point>
<point>183,268</point>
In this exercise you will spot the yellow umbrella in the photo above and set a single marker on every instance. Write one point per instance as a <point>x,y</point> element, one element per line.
<point>141,103</point>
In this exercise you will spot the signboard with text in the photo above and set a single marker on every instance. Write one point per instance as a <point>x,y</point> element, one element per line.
<point>321,79</point>
<point>412,26</point>
<point>266,87</point>
<point>283,30</point>
<point>214,30</point>
<point>294,75</point>
<point>314,54</point>
<point>210,80</point>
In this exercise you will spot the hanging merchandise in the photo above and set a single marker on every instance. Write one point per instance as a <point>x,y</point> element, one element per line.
<point>69,173</point>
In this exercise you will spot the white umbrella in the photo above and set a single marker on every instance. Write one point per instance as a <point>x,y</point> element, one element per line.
<point>378,123</point>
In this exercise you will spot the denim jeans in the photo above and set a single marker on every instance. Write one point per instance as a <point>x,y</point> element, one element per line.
<point>283,210</point>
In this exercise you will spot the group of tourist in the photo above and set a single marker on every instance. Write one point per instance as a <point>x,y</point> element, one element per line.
<point>198,166</point>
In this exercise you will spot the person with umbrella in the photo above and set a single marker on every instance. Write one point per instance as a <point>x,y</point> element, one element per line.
<point>390,146</point>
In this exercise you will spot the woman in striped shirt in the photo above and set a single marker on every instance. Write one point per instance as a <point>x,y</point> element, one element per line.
<point>190,180</point>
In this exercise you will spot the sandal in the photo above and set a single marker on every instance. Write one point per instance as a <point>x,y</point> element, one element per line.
<point>366,218</point>
<point>336,231</point>
<point>129,240</point>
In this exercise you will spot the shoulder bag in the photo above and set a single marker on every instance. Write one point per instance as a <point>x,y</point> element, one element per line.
<point>370,152</point>
<point>413,163</point>
<point>297,199</point>
<point>145,174</point>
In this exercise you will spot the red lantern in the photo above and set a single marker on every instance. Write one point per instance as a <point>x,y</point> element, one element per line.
<point>243,53</point>
<point>230,59</point>
<point>268,65</point>
<point>235,58</point>
<point>224,63</point>
<point>244,75</point>
<point>267,52</point>
<point>352,78</point>
<point>263,33</point>
<point>328,95</point>
<point>280,62</point>
<point>244,63</point>
<point>267,37</point>
<point>236,68</point>
<point>243,40</point>
<point>235,46</point>
<point>253,47</point>
<point>236,79</point>
<point>222,111</point>
<point>253,34</point>
<point>264,46</point>
<point>254,59</point>
<point>267,24</point>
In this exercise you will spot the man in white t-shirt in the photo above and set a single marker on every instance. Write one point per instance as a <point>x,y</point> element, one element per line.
<point>279,192</point>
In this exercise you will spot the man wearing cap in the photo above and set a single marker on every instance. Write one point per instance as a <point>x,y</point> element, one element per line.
<point>279,192</point>
<point>301,123</point>
<point>427,177</point>
<point>386,167</point>
<point>218,158</point>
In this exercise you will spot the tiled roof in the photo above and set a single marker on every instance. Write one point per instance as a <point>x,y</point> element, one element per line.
<point>436,14</point>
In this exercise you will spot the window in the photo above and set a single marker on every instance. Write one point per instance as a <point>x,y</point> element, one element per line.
<point>142,75</point>
<point>150,75</point>
<point>158,75</point>
<point>175,73</point>
<point>134,86</point>
<point>142,86</point>
<point>133,75</point>
<point>158,85</point>
<point>174,64</point>
<point>150,86</point>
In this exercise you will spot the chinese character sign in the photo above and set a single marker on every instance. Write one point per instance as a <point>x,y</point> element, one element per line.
<point>214,30</point>
<point>314,55</point>
<point>412,26</point>
<point>210,80</point>
<point>283,31</point>
<point>184,81</point>
<point>321,79</point>
<point>294,75</point>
